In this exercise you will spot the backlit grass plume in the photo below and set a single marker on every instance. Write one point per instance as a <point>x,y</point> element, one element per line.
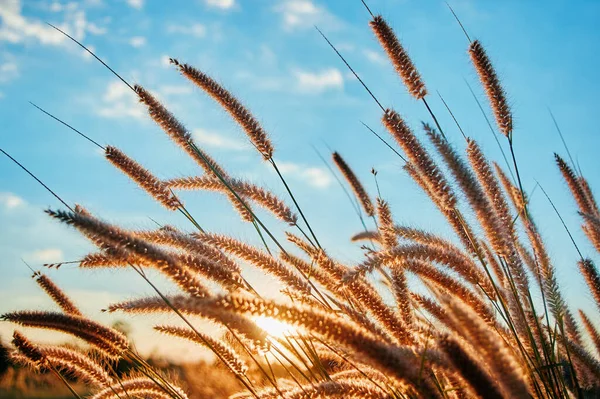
<point>355,184</point>
<point>493,88</point>
<point>238,112</point>
<point>143,177</point>
<point>399,57</point>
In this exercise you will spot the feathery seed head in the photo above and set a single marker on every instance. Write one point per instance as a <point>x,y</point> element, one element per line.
<point>494,90</point>
<point>592,278</point>
<point>74,363</point>
<point>357,187</point>
<point>469,369</point>
<point>146,180</point>
<point>577,191</point>
<point>177,132</point>
<point>109,341</point>
<point>430,175</point>
<point>259,195</point>
<point>226,353</point>
<point>125,245</point>
<point>57,295</point>
<point>140,387</point>
<point>399,57</point>
<point>232,105</point>
<point>28,349</point>
<point>387,231</point>
<point>257,258</point>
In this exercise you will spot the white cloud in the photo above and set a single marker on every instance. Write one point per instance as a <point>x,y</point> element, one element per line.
<point>87,55</point>
<point>56,7</point>
<point>267,55</point>
<point>165,60</point>
<point>375,57</point>
<point>175,90</point>
<point>10,201</point>
<point>17,28</point>
<point>115,91</point>
<point>216,140</point>
<point>295,81</point>
<point>137,41</point>
<point>94,3</point>
<point>8,71</point>
<point>137,4</point>
<point>316,177</point>
<point>264,82</point>
<point>195,30</point>
<point>298,14</point>
<point>318,82</point>
<point>222,4</point>
<point>349,47</point>
<point>95,29</point>
<point>47,255</point>
<point>120,102</point>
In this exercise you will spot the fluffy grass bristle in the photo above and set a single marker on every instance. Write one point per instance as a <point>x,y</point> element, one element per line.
<point>57,295</point>
<point>109,341</point>
<point>399,57</point>
<point>493,88</point>
<point>143,178</point>
<point>238,112</point>
<point>355,184</point>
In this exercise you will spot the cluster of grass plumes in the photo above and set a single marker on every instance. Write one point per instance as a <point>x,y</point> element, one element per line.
<point>470,328</point>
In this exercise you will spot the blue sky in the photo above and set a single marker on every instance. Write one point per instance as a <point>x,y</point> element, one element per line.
<point>269,54</point>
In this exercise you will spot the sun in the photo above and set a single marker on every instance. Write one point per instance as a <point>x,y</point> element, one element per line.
<point>275,328</point>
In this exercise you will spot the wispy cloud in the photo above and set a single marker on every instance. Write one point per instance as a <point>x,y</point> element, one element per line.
<point>376,57</point>
<point>137,4</point>
<point>119,102</point>
<point>217,140</point>
<point>300,14</point>
<point>165,60</point>
<point>313,176</point>
<point>195,30</point>
<point>297,80</point>
<point>317,82</point>
<point>86,55</point>
<point>16,28</point>
<point>222,4</point>
<point>9,70</point>
<point>174,90</point>
<point>46,255</point>
<point>137,41</point>
<point>10,201</point>
<point>275,83</point>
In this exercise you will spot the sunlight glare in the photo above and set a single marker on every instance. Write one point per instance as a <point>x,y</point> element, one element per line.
<point>275,328</point>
